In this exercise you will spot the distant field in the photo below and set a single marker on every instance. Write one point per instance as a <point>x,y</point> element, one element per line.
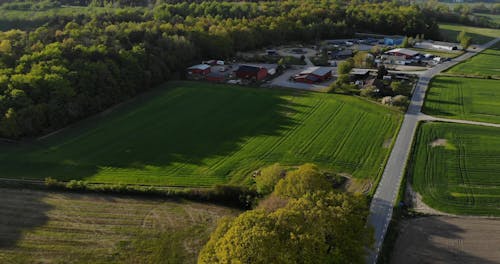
<point>42,227</point>
<point>484,64</point>
<point>456,168</point>
<point>464,98</point>
<point>479,35</point>
<point>199,134</point>
<point>443,239</point>
<point>494,18</point>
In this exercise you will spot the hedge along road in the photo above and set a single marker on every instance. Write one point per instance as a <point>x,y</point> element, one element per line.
<point>387,190</point>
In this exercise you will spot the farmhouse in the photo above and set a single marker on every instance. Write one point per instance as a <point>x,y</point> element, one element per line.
<point>251,72</point>
<point>314,75</point>
<point>200,69</point>
<point>407,53</point>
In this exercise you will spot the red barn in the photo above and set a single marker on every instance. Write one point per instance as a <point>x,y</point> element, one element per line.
<point>215,77</point>
<point>200,69</point>
<point>251,72</point>
<point>314,75</point>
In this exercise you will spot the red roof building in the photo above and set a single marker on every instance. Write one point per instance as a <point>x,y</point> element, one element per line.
<point>251,72</point>
<point>200,69</point>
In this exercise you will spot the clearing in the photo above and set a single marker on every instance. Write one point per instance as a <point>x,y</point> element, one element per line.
<point>200,134</point>
<point>485,63</point>
<point>464,98</point>
<point>51,227</point>
<point>479,35</point>
<point>461,176</point>
<point>442,239</point>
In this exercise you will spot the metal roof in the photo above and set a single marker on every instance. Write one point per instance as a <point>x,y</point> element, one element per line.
<point>199,67</point>
<point>320,71</point>
<point>407,52</point>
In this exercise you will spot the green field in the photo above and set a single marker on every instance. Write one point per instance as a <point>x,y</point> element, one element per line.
<point>199,134</point>
<point>456,167</point>
<point>486,63</point>
<point>42,227</point>
<point>464,98</point>
<point>449,32</point>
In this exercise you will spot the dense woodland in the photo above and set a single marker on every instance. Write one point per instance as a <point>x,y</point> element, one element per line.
<point>77,64</point>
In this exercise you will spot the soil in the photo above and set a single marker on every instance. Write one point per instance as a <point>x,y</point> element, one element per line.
<point>446,239</point>
<point>440,142</point>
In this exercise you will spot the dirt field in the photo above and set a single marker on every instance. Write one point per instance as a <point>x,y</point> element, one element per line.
<point>443,239</point>
<point>49,227</point>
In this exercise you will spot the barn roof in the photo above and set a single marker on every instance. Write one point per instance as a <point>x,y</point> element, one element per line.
<point>199,67</point>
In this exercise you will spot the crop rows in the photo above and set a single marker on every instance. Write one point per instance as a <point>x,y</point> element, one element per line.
<point>198,134</point>
<point>62,228</point>
<point>462,175</point>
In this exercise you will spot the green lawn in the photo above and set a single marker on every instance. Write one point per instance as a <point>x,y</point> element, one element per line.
<point>199,134</point>
<point>464,98</point>
<point>459,173</point>
<point>449,32</point>
<point>48,227</point>
<point>486,63</point>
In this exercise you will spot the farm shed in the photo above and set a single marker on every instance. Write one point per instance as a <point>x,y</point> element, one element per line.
<point>407,53</point>
<point>251,72</point>
<point>437,45</point>
<point>342,54</point>
<point>215,77</point>
<point>359,74</point>
<point>314,75</point>
<point>200,69</point>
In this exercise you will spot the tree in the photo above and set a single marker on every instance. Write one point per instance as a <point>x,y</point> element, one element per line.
<point>368,91</point>
<point>345,67</point>
<point>400,88</point>
<point>405,43</point>
<point>267,178</point>
<point>464,40</point>
<point>307,178</point>
<point>400,100</point>
<point>363,59</point>
<point>320,227</point>
<point>381,72</point>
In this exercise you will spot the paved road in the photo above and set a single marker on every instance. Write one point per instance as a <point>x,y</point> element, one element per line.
<point>387,190</point>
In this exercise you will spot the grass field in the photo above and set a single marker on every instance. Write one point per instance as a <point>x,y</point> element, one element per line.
<point>486,63</point>
<point>464,98</point>
<point>455,168</point>
<point>42,227</point>
<point>199,134</point>
<point>449,32</point>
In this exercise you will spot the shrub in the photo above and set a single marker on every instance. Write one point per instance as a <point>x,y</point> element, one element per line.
<point>267,178</point>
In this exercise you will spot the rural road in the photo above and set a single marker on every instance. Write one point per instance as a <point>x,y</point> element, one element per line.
<point>387,190</point>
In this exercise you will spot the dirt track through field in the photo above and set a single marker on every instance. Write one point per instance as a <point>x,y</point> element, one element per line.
<point>444,239</point>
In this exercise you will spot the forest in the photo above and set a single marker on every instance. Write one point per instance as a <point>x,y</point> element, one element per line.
<point>72,66</point>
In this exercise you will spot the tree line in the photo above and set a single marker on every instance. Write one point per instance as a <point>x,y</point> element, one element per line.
<point>75,66</point>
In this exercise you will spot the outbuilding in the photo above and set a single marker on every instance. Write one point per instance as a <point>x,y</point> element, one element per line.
<point>215,77</point>
<point>200,69</point>
<point>407,53</point>
<point>251,72</point>
<point>393,41</point>
<point>314,75</point>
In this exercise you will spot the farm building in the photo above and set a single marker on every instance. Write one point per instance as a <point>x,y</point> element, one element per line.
<point>215,77</point>
<point>391,59</point>
<point>251,72</point>
<point>393,41</point>
<point>214,62</point>
<point>437,45</point>
<point>360,74</point>
<point>200,69</point>
<point>407,53</point>
<point>314,75</point>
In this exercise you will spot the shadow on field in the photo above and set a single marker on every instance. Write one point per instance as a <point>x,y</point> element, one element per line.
<point>20,211</point>
<point>181,126</point>
<point>432,240</point>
